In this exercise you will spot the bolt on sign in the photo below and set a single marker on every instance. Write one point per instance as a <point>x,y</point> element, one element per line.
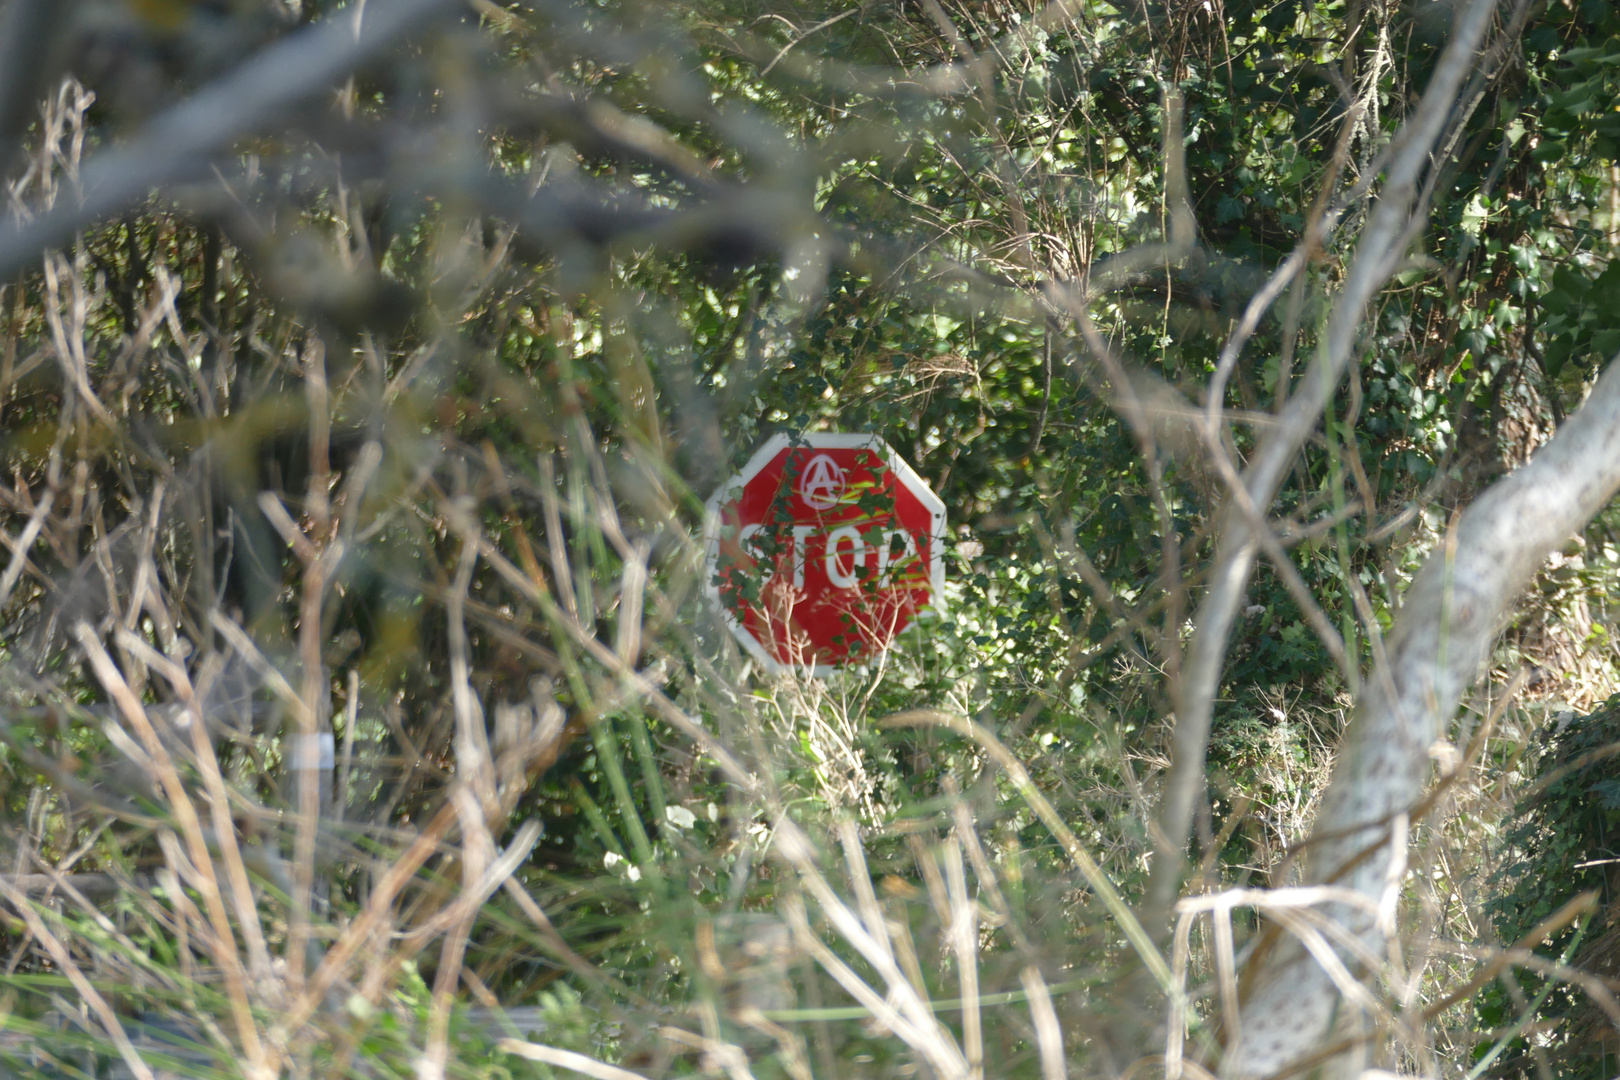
<point>822,549</point>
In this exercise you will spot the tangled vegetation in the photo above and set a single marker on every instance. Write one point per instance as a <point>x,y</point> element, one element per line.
<point>365,370</point>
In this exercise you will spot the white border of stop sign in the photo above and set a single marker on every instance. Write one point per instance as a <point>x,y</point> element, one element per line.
<point>905,477</point>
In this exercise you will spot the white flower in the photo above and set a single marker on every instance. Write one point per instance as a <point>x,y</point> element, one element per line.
<point>612,859</point>
<point>680,817</point>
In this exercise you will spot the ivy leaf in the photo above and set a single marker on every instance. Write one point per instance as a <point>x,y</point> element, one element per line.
<point>1608,793</point>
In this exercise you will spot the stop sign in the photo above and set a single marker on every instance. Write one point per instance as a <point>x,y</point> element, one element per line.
<point>822,549</point>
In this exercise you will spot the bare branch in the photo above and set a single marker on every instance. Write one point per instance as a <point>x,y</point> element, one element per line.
<point>1452,614</point>
<point>177,143</point>
<point>1382,246</point>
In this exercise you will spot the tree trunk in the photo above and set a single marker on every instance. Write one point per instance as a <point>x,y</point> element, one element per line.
<point>1443,636</point>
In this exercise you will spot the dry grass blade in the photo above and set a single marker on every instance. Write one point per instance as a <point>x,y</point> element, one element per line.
<point>982,870</point>
<point>92,997</point>
<point>181,805</point>
<point>909,1018</point>
<point>20,546</point>
<point>632,587</point>
<point>219,806</point>
<point>1048,1032</point>
<point>860,879</point>
<point>964,936</point>
<point>566,1059</point>
<point>1175,1036</point>
<point>1094,875</point>
<point>717,1055</point>
<point>795,847</point>
<point>473,760</point>
<point>476,851</point>
<point>885,1013</point>
<point>239,640</point>
<point>377,911</point>
<point>1226,972</point>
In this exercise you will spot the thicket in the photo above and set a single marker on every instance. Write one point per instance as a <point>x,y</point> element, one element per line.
<point>365,370</point>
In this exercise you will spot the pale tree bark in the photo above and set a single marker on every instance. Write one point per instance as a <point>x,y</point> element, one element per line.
<point>1449,619</point>
<point>1392,224</point>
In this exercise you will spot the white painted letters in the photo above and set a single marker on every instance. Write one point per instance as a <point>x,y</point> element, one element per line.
<point>836,574</point>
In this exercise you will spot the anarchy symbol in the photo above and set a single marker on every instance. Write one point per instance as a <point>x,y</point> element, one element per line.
<point>822,485</point>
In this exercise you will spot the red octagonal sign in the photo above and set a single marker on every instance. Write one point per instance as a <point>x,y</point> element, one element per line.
<point>823,549</point>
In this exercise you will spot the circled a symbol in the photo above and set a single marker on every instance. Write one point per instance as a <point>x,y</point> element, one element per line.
<point>822,484</point>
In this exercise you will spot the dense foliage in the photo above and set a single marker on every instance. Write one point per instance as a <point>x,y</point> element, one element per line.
<point>1558,847</point>
<point>390,418</point>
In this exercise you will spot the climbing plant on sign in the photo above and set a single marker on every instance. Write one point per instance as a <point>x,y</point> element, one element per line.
<point>823,549</point>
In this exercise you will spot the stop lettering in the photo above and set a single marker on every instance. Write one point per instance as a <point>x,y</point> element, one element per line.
<point>822,549</point>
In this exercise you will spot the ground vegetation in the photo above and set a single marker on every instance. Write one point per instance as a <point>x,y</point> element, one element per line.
<point>365,370</point>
